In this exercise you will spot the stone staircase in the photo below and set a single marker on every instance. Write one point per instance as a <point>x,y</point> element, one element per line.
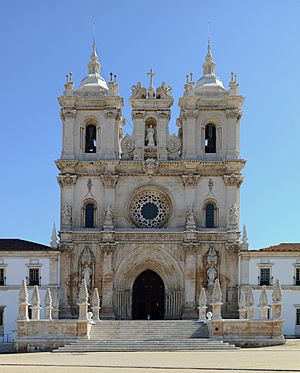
<point>6,348</point>
<point>147,335</point>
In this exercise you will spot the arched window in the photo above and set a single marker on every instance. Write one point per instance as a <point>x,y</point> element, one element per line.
<point>89,215</point>
<point>209,216</point>
<point>90,139</point>
<point>210,138</point>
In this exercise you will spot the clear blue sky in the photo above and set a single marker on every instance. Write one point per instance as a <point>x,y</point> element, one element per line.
<point>42,40</point>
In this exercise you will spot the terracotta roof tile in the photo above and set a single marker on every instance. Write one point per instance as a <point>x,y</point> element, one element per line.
<point>282,247</point>
<point>11,244</point>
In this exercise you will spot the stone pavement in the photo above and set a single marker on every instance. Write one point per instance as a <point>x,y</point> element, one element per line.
<point>265,360</point>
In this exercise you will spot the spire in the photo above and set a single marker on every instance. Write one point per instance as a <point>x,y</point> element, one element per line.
<point>209,65</point>
<point>244,244</point>
<point>53,242</point>
<point>94,64</point>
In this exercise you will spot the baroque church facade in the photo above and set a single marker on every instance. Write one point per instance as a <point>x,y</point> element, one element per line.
<point>152,217</point>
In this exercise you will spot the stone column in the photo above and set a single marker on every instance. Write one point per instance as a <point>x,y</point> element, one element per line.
<point>233,182</point>
<point>67,116</point>
<point>242,305</point>
<point>216,303</point>
<point>107,281</point>
<point>276,301</point>
<point>48,305</point>
<point>190,281</point>
<point>233,135</point>
<point>263,304</point>
<point>67,183</point>
<point>23,302</point>
<point>109,136</point>
<point>189,134</point>
<point>35,303</point>
<point>162,131</point>
<point>138,118</point>
<point>202,305</point>
<point>83,304</point>
<point>96,305</point>
<point>109,181</point>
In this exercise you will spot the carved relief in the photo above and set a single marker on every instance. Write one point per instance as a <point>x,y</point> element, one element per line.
<point>190,218</point>
<point>150,166</point>
<point>127,146</point>
<point>233,217</point>
<point>67,114</point>
<point>108,217</point>
<point>164,91</point>
<point>234,114</point>
<point>173,147</point>
<point>137,91</point>
<point>66,215</point>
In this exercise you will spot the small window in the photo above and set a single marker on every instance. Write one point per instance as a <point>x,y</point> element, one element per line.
<point>265,276</point>
<point>209,216</point>
<point>2,277</point>
<point>89,215</point>
<point>297,276</point>
<point>34,276</point>
<point>298,316</point>
<point>210,138</point>
<point>1,316</point>
<point>90,139</point>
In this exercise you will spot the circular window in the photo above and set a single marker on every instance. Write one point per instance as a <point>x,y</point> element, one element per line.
<point>150,209</point>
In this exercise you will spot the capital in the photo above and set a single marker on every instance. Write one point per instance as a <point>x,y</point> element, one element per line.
<point>108,248</point>
<point>110,114</point>
<point>67,180</point>
<point>190,180</point>
<point>138,114</point>
<point>234,113</point>
<point>67,114</point>
<point>233,179</point>
<point>109,180</point>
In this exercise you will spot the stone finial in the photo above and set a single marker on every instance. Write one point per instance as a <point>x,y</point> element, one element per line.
<point>35,299</point>
<point>35,303</point>
<point>23,302</point>
<point>95,298</point>
<point>202,305</point>
<point>242,300</point>
<point>48,298</point>
<point>23,294</point>
<point>217,293</point>
<point>83,295</point>
<point>48,305</point>
<point>202,298</point>
<point>96,305</point>
<point>250,304</point>
<point>53,242</point>
<point>263,298</point>
<point>244,244</point>
<point>277,292</point>
<point>250,298</point>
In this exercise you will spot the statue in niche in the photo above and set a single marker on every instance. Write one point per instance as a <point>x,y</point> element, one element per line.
<point>108,217</point>
<point>150,136</point>
<point>211,274</point>
<point>190,217</point>
<point>87,275</point>
<point>233,216</point>
<point>67,214</point>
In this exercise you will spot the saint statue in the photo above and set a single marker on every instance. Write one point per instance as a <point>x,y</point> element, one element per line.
<point>211,274</point>
<point>190,217</point>
<point>150,136</point>
<point>67,214</point>
<point>233,216</point>
<point>87,275</point>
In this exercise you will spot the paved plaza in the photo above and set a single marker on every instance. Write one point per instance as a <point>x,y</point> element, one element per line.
<point>270,359</point>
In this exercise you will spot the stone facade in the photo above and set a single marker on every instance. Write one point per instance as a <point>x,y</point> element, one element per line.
<point>150,200</point>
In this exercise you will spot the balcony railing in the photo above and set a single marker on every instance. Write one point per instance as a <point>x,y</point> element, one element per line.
<point>265,281</point>
<point>33,282</point>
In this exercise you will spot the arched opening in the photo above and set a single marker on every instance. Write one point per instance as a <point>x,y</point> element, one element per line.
<point>209,216</point>
<point>89,215</point>
<point>90,139</point>
<point>210,138</point>
<point>148,296</point>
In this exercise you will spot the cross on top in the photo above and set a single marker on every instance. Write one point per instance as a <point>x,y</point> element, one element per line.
<point>151,73</point>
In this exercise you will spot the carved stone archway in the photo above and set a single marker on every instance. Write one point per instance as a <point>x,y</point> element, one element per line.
<point>156,260</point>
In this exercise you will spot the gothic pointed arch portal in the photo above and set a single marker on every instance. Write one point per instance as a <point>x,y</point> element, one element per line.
<point>148,296</point>
<point>165,269</point>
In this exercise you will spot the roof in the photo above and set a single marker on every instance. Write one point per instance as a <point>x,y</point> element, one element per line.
<point>282,247</point>
<point>10,244</point>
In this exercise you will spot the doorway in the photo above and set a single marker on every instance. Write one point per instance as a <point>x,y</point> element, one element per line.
<point>148,297</point>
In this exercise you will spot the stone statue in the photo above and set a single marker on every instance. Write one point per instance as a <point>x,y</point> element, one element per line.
<point>87,275</point>
<point>67,214</point>
<point>108,217</point>
<point>212,257</point>
<point>233,216</point>
<point>150,136</point>
<point>211,274</point>
<point>127,146</point>
<point>190,217</point>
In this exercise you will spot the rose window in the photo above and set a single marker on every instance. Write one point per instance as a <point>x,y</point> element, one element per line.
<point>150,209</point>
